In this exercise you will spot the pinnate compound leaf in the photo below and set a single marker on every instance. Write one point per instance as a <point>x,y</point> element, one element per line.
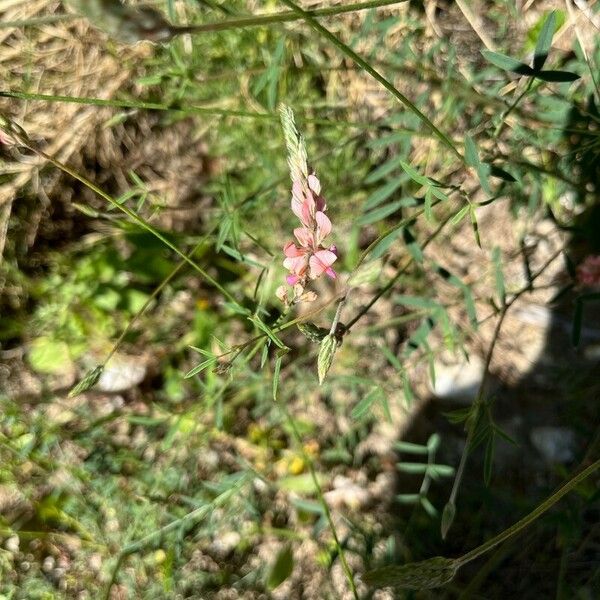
<point>427,574</point>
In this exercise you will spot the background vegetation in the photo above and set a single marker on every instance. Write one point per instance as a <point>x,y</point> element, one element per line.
<point>144,204</point>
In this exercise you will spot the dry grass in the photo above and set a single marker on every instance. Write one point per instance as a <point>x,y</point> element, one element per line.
<point>65,58</point>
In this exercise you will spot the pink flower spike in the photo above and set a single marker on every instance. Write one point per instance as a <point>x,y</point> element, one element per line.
<point>331,273</point>
<point>320,262</point>
<point>292,279</point>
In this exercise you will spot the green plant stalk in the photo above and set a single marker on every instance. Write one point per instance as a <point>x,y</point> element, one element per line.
<point>376,75</point>
<point>486,370</point>
<point>157,290</point>
<point>514,105</point>
<point>531,517</point>
<point>319,490</point>
<point>283,17</point>
<point>241,23</point>
<point>390,284</point>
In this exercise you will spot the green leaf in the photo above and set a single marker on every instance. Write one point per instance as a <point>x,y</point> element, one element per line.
<point>429,508</point>
<point>276,373</point>
<point>302,484</point>
<point>382,194</point>
<point>440,471</point>
<point>488,460</point>
<point>433,443</point>
<point>460,215</point>
<point>507,63</point>
<point>329,345</point>
<point>557,76</point>
<point>412,468</point>
<point>474,224</point>
<point>282,568</point>
<point>471,153</point>
<point>411,448</point>
<point>408,498</point>
<point>415,175</point>
<point>364,405</point>
<point>544,41</point>
<point>384,244</point>
<point>379,213</point>
<point>383,170</point>
<point>209,362</point>
<point>312,332</point>
<point>499,172</point>
<point>448,518</point>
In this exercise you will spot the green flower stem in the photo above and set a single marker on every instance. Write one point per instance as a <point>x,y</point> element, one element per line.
<point>282,17</point>
<point>319,490</point>
<point>361,62</point>
<point>228,24</point>
<point>390,284</point>
<point>531,517</point>
<point>514,105</point>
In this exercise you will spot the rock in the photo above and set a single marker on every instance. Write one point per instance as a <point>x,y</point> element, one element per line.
<point>121,374</point>
<point>555,444</point>
<point>458,381</point>
<point>347,493</point>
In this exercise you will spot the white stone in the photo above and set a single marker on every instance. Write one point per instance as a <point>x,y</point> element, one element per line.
<point>555,444</point>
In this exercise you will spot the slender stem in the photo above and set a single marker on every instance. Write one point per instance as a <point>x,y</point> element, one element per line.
<point>319,490</point>
<point>388,286</point>
<point>478,403</point>
<point>375,74</point>
<point>282,17</point>
<point>240,23</point>
<point>507,112</point>
<point>338,314</point>
<point>531,517</point>
<point>152,296</point>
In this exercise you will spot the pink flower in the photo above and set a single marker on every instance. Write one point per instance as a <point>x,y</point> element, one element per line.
<point>310,259</point>
<point>588,272</point>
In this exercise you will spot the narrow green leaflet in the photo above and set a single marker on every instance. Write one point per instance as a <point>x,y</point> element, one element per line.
<point>282,568</point>
<point>507,63</point>
<point>363,407</point>
<point>544,41</point>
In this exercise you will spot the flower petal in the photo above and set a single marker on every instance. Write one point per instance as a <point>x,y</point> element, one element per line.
<point>304,236</point>
<point>296,265</point>
<point>323,227</point>
<point>320,262</point>
<point>314,184</point>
